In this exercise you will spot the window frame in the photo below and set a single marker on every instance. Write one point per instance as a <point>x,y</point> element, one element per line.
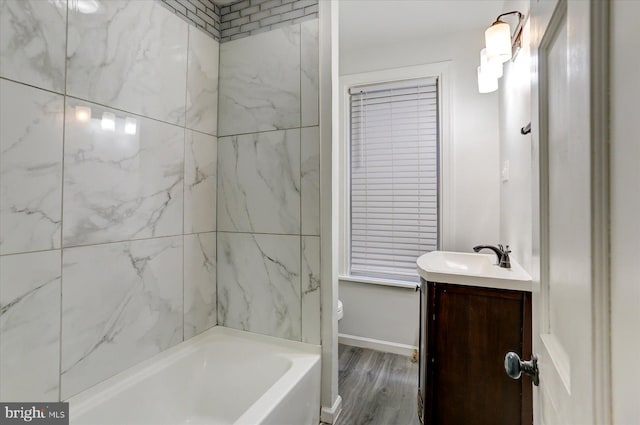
<point>438,70</point>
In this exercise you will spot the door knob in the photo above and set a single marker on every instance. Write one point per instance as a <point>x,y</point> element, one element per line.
<point>516,367</point>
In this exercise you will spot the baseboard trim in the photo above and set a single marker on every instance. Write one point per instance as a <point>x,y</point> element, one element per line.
<point>328,415</point>
<point>377,344</point>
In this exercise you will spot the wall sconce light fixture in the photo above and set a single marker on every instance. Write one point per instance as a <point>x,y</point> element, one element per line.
<point>501,46</point>
<point>486,81</point>
<point>491,67</point>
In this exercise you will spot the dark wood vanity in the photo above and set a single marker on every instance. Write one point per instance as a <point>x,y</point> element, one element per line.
<point>465,332</point>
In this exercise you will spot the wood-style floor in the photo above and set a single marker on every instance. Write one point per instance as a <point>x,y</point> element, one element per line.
<point>376,388</point>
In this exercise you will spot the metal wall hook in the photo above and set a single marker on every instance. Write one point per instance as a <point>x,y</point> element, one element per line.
<point>526,129</point>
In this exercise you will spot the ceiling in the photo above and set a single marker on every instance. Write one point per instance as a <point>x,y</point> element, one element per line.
<point>367,22</point>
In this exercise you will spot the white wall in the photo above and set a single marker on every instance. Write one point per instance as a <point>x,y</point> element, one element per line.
<point>475,179</point>
<point>516,192</point>
<point>625,212</point>
<point>379,312</point>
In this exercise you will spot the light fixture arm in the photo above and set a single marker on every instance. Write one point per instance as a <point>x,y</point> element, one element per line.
<point>516,37</point>
<point>514,12</point>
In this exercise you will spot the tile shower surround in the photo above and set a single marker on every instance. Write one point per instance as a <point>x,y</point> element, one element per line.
<point>108,175</point>
<point>268,184</point>
<point>120,225</point>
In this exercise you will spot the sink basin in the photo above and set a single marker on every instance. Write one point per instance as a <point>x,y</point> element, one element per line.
<point>472,269</point>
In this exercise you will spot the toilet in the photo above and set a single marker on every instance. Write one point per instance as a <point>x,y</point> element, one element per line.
<point>340,311</point>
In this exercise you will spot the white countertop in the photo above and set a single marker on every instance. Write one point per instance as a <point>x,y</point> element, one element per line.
<point>471,269</point>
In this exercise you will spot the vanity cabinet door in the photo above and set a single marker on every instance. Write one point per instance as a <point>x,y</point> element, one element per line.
<point>470,330</point>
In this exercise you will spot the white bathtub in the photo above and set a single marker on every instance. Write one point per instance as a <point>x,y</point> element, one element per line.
<point>222,376</point>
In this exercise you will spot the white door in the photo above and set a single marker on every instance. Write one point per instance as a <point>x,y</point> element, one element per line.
<point>569,305</point>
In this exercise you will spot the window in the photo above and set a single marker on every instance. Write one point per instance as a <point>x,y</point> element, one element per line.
<point>394,177</point>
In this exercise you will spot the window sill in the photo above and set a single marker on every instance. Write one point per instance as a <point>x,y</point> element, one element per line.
<point>382,282</point>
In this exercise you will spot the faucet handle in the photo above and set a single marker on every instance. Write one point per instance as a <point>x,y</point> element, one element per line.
<point>505,262</point>
<point>504,249</point>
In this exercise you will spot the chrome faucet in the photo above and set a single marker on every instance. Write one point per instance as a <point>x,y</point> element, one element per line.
<point>501,252</point>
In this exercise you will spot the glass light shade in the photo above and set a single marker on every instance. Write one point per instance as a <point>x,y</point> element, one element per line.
<point>498,40</point>
<point>493,67</point>
<point>486,82</point>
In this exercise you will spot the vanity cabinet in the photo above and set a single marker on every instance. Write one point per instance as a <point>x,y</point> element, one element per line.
<point>465,333</point>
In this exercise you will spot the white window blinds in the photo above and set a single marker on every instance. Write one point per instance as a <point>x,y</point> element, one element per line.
<point>394,177</point>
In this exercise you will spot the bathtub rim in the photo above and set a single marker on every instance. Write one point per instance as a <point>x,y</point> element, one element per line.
<point>303,357</point>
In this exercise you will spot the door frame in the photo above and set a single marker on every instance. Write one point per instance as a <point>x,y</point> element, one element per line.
<point>543,15</point>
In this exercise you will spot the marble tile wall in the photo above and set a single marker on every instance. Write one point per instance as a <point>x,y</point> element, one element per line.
<point>30,326</point>
<point>259,182</point>
<point>260,83</point>
<point>33,42</point>
<point>121,304</point>
<point>148,77</point>
<point>268,184</point>
<point>108,180</point>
